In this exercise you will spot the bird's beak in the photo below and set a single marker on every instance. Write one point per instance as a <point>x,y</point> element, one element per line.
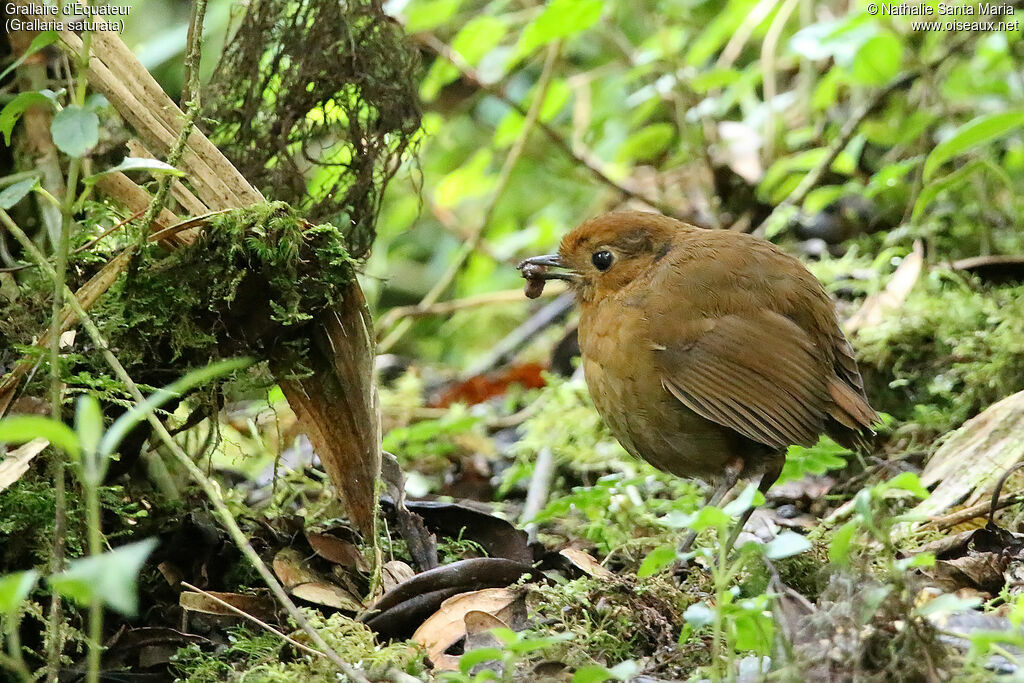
<point>547,261</point>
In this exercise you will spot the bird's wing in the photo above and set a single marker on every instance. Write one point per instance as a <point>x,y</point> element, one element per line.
<point>756,373</point>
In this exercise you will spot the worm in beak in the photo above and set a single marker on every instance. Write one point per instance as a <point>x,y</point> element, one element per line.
<point>536,272</point>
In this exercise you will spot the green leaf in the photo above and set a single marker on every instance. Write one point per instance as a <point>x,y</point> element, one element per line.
<point>559,19</point>
<point>947,182</point>
<point>13,194</point>
<point>591,674</point>
<point>721,28</point>
<point>197,377</point>
<point>741,503</point>
<point>698,615</point>
<point>424,15</point>
<point>972,134</point>
<point>89,427</point>
<point>24,428</point>
<point>646,143</point>
<point>75,130</point>
<point>786,544</point>
<point>13,110</point>
<point>947,603</point>
<point>111,577</point>
<point>878,60</point>
<point>656,560</point>
<point>907,481</point>
<point>821,197</point>
<point>14,589</point>
<point>129,164</point>
<point>38,43</point>
<point>478,656</point>
<point>839,548</point>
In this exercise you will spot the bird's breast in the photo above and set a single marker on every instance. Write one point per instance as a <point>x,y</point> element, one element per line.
<point>621,373</point>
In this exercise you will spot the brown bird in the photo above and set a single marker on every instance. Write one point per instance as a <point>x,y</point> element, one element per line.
<point>707,352</point>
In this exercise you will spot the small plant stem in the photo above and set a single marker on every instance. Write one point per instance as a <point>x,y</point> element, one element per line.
<point>721,578</point>
<point>15,661</point>
<point>208,485</point>
<point>55,639</point>
<point>92,510</point>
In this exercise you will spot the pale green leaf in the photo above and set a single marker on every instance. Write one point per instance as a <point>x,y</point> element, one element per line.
<point>971,135</point>
<point>129,164</point>
<point>75,130</point>
<point>656,560</point>
<point>23,428</point>
<point>111,577</point>
<point>878,60</point>
<point>786,544</point>
<point>12,194</point>
<point>15,588</point>
<point>559,19</point>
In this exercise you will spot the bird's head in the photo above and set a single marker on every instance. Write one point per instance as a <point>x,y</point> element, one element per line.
<point>607,253</point>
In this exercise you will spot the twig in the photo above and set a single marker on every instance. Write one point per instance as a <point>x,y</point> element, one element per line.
<point>849,129</point>
<point>513,341</point>
<point>999,488</point>
<point>210,488</point>
<point>88,245</point>
<point>193,52</point>
<point>431,297</point>
<point>537,493</point>
<point>256,620</point>
<point>446,307</point>
<point>443,50</point>
<point>972,512</point>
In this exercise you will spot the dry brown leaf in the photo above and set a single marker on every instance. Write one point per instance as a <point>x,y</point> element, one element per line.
<point>586,564</point>
<point>447,625</point>
<point>327,594</point>
<point>394,573</point>
<point>337,407</point>
<point>292,569</point>
<point>990,443</point>
<point>337,550</point>
<point>260,606</point>
<point>878,305</point>
<point>16,463</point>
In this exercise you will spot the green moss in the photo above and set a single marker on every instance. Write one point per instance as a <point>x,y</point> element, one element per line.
<point>248,286</point>
<point>952,349</point>
<point>612,621</point>
<point>265,658</point>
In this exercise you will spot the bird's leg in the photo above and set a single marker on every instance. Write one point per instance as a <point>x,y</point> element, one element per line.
<point>731,475</point>
<point>770,476</point>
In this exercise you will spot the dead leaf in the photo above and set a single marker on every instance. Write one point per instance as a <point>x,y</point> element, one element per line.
<point>990,442</point>
<point>993,269</point>
<point>447,625</point>
<point>330,546</point>
<point>878,305</point>
<point>421,542</point>
<point>292,569</point>
<point>586,564</point>
<point>16,463</point>
<point>394,573</point>
<point>400,611</point>
<point>304,582</point>
<point>497,536</point>
<point>337,406</point>
<point>260,606</point>
<point>328,595</point>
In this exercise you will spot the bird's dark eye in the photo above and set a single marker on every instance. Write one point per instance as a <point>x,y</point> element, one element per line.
<point>602,260</point>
